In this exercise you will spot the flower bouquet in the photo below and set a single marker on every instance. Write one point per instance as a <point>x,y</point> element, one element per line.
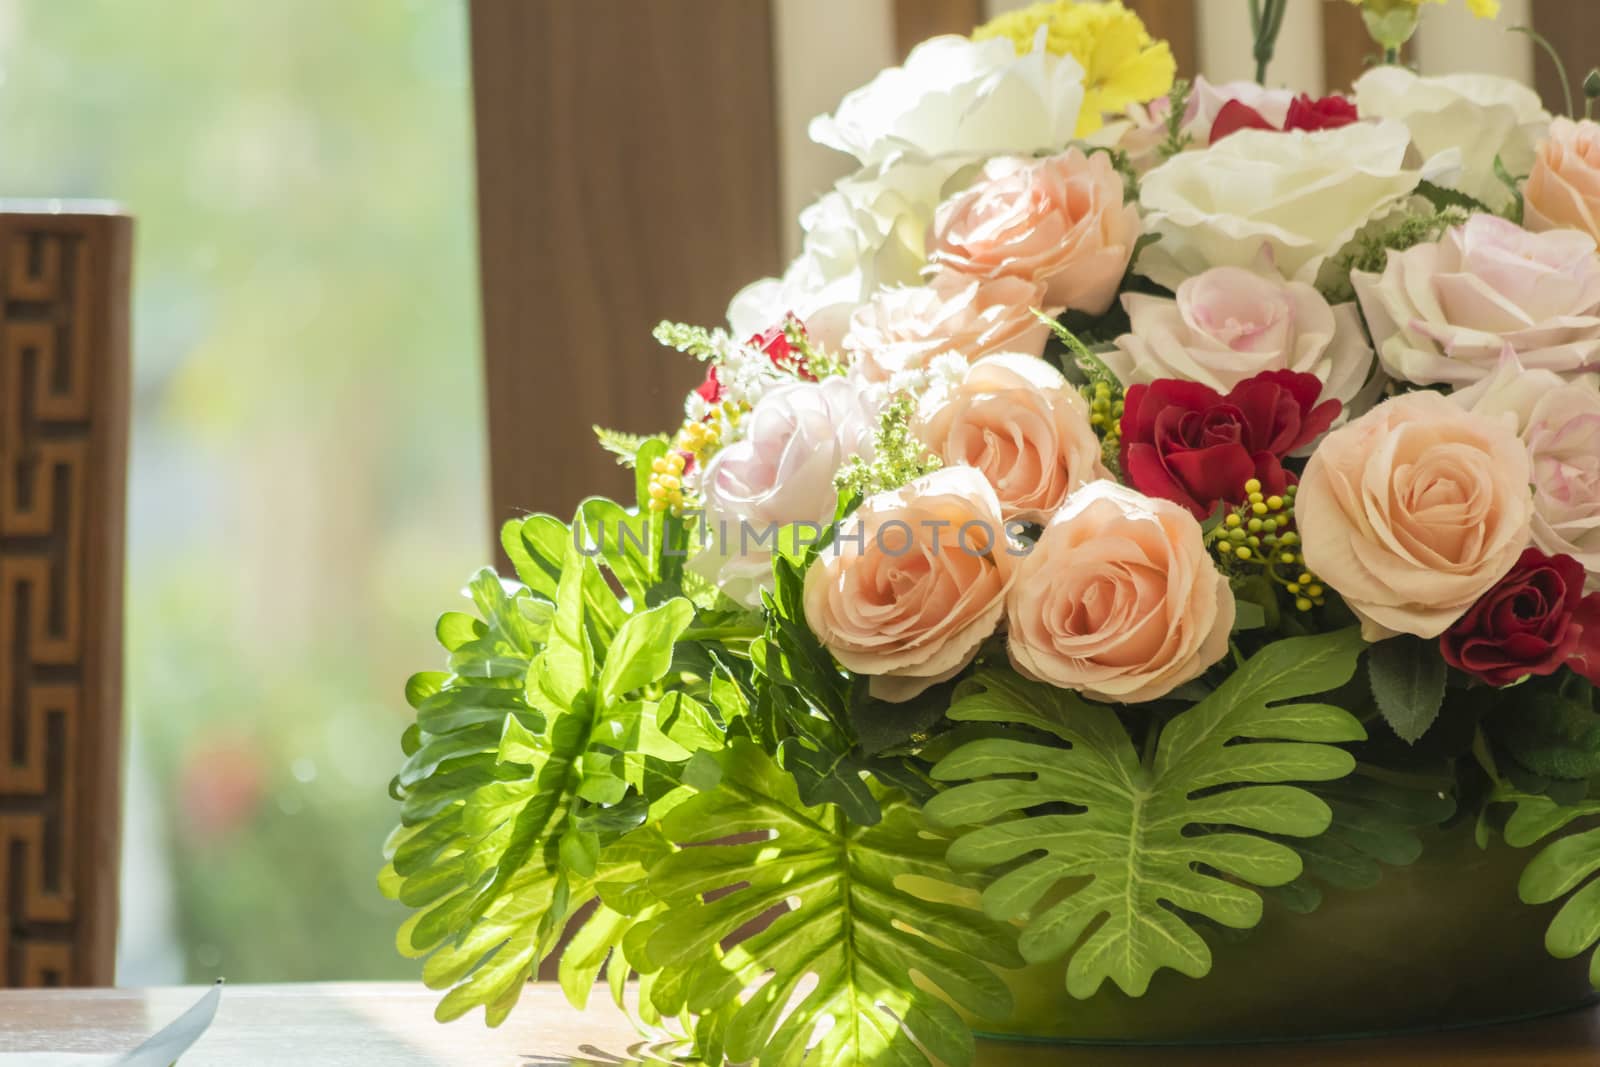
<point>1134,576</point>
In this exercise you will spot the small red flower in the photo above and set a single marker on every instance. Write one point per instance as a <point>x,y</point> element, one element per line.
<point>710,390</point>
<point>1305,113</point>
<point>774,341</point>
<point>1530,623</point>
<point>1187,443</point>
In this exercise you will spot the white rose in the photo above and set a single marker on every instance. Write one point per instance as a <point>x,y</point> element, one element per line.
<point>867,232</point>
<point>958,95</point>
<point>781,472</point>
<point>1475,116</point>
<point>1295,198</point>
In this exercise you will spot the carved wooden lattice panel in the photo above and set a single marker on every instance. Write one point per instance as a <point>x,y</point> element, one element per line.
<point>63,431</point>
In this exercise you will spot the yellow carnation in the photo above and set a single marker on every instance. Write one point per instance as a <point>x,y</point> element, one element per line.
<point>1122,64</point>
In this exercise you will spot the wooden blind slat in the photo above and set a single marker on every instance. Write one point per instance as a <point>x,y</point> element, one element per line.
<point>917,20</point>
<point>627,172</point>
<point>1573,27</point>
<point>1174,22</point>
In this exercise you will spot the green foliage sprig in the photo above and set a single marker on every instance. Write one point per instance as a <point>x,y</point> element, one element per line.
<point>1371,250</point>
<point>1177,138</point>
<point>625,446</point>
<point>697,341</point>
<point>898,456</point>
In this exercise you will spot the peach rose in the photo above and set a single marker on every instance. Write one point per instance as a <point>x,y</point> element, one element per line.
<point>1015,419</point>
<point>1060,221</point>
<point>1119,599</point>
<point>1563,189</point>
<point>1443,311</point>
<point>914,583</point>
<point>904,327</point>
<point>1229,324</point>
<point>1414,511</point>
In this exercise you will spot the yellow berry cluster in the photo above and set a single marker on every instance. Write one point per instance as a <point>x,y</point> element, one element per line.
<point>666,482</point>
<point>1105,408</point>
<point>1262,533</point>
<point>699,438</point>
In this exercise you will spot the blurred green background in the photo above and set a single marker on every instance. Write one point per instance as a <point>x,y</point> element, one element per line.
<point>308,459</point>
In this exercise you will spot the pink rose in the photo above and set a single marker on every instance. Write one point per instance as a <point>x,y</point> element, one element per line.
<point>1016,420</point>
<point>903,328</point>
<point>1229,324</point>
<point>1442,312</point>
<point>1118,600</point>
<point>1060,221</point>
<point>915,582</point>
<point>780,472</point>
<point>1563,438</point>
<point>1414,511</point>
<point>1563,189</point>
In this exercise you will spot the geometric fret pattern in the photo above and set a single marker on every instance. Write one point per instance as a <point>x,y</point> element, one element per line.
<point>64,286</point>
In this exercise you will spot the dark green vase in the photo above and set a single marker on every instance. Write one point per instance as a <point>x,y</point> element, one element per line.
<point>1444,942</point>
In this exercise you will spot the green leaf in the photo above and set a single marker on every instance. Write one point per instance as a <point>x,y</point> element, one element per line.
<point>1248,616</point>
<point>1553,736</point>
<point>1441,198</point>
<point>1563,866</point>
<point>1514,209</point>
<point>1376,823</point>
<point>1408,678</point>
<point>838,908</point>
<point>1126,847</point>
<point>642,650</point>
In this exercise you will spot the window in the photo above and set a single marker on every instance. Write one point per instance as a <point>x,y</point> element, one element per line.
<point>308,467</point>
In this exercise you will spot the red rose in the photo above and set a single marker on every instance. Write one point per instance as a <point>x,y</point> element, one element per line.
<point>774,341</point>
<point>1586,657</point>
<point>1234,116</point>
<point>1188,443</point>
<point>1325,113</point>
<point>1527,624</point>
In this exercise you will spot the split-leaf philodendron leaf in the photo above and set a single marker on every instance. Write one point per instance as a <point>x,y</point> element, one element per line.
<point>1145,840</point>
<point>839,912</point>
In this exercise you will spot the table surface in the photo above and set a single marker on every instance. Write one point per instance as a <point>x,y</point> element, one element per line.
<point>380,1025</point>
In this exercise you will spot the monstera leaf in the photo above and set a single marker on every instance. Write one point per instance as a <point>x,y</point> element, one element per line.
<point>1377,822</point>
<point>838,911</point>
<point>1145,843</point>
<point>1562,866</point>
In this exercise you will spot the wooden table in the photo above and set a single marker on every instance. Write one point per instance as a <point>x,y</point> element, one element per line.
<point>383,1025</point>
